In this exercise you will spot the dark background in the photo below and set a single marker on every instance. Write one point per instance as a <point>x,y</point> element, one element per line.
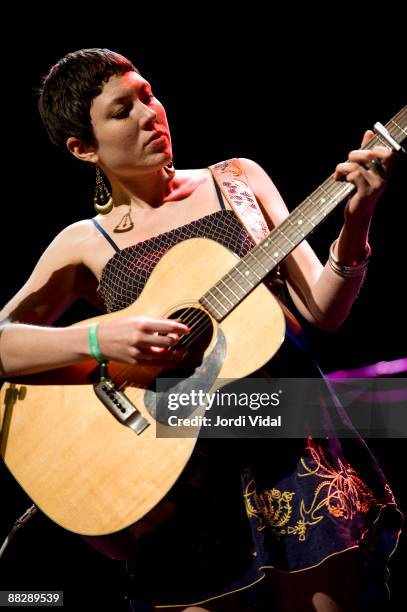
<point>294,92</point>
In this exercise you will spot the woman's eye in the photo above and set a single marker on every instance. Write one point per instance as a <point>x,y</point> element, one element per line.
<point>122,113</point>
<point>147,97</point>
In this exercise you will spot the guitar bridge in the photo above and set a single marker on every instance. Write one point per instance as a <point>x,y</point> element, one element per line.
<point>120,406</point>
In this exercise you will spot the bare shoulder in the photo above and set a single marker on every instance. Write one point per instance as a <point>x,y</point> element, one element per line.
<point>58,278</point>
<point>249,165</point>
<point>265,190</point>
<point>72,238</point>
<point>255,173</point>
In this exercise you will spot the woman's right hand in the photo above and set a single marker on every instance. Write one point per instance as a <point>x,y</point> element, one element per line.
<point>141,340</point>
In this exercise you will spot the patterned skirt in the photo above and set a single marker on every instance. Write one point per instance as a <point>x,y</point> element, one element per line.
<point>248,510</point>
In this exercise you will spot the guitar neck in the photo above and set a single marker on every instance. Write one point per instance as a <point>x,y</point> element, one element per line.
<point>251,270</point>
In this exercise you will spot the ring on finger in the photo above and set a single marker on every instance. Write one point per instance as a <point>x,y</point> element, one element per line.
<point>377,167</point>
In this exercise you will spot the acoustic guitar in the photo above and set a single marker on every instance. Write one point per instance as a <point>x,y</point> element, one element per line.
<point>86,450</point>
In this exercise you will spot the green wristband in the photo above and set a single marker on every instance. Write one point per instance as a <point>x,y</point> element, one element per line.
<point>94,344</point>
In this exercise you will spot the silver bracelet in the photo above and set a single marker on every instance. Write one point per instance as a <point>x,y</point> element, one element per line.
<point>348,271</point>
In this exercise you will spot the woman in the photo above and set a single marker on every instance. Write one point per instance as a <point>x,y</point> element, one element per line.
<point>213,550</point>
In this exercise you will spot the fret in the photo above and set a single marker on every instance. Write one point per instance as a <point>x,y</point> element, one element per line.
<point>382,141</point>
<point>311,210</point>
<point>402,131</point>
<point>258,260</point>
<point>291,233</point>
<point>319,201</point>
<point>401,116</point>
<point>345,190</point>
<point>229,289</point>
<point>274,252</point>
<point>272,247</point>
<point>395,121</point>
<point>280,231</point>
<point>295,226</point>
<point>212,294</point>
<point>302,221</point>
<point>249,269</point>
<point>374,142</point>
<point>230,275</point>
<point>263,247</point>
<point>306,216</point>
<point>218,295</point>
<point>211,308</point>
<point>341,189</point>
<point>280,254</point>
<point>329,196</point>
<point>245,275</point>
<point>279,249</point>
<point>223,294</point>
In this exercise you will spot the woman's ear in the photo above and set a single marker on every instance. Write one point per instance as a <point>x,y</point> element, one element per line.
<point>80,150</point>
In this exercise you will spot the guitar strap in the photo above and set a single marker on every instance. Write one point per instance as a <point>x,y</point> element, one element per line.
<point>234,185</point>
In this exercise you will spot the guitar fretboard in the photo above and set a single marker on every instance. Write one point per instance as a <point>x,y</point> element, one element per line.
<point>234,286</point>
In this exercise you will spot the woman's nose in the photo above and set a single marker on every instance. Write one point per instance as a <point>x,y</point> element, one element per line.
<point>149,116</point>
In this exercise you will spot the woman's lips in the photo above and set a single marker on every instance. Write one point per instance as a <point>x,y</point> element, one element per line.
<point>157,137</point>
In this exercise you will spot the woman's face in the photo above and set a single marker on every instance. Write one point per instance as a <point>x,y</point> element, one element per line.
<point>130,127</point>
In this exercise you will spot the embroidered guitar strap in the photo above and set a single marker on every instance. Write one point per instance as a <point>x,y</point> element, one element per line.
<point>233,182</point>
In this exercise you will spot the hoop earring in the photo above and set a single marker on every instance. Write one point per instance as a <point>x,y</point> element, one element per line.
<point>169,168</point>
<point>102,200</point>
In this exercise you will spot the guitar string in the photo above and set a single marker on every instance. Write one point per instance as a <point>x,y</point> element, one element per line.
<point>197,327</point>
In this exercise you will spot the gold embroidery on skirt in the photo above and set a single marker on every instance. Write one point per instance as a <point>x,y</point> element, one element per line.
<point>271,507</point>
<point>342,493</point>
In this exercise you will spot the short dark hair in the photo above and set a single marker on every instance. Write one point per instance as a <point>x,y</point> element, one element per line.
<point>70,86</point>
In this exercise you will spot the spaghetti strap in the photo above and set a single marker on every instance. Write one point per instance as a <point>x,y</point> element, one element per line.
<point>219,194</point>
<point>106,235</point>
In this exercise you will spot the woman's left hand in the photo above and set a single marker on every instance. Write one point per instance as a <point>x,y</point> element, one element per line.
<point>368,179</point>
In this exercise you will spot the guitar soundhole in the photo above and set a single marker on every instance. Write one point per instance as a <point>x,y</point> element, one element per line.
<point>198,340</point>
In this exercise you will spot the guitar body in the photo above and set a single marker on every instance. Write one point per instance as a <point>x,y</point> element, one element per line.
<point>83,468</point>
